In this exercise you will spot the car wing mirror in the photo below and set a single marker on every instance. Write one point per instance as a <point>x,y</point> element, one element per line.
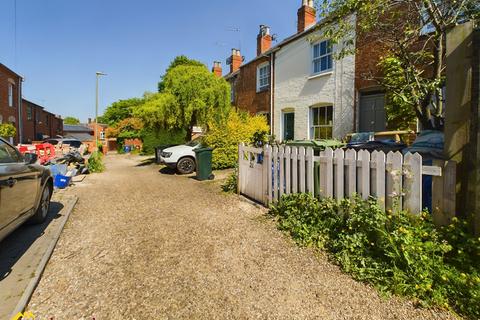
<point>30,158</point>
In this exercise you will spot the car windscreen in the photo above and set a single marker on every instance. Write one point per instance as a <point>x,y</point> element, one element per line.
<point>194,143</point>
<point>73,143</point>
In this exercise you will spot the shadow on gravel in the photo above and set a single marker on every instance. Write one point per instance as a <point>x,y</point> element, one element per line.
<point>146,162</point>
<point>16,244</point>
<point>167,170</point>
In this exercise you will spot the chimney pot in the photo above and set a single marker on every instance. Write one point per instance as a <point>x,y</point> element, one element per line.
<point>264,40</point>
<point>307,16</point>
<point>217,69</point>
<point>235,60</point>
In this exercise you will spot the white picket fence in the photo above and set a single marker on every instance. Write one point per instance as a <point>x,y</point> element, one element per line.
<point>395,180</point>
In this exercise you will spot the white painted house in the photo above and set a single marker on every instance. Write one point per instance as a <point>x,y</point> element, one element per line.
<point>314,94</point>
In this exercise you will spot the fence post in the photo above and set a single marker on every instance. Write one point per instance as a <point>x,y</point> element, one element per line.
<point>394,180</point>
<point>412,165</point>
<point>364,174</point>
<point>267,169</point>
<point>281,167</point>
<point>310,187</point>
<point>378,177</point>
<point>288,170</point>
<point>275,173</point>
<point>339,176</point>
<point>240,182</point>
<point>294,170</point>
<point>301,158</point>
<point>351,174</point>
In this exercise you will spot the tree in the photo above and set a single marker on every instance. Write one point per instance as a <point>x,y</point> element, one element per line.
<point>413,34</point>
<point>192,96</point>
<point>7,130</point>
<point>178,61</point>
<point>120,110</point>
<point>128,128</point>
<point>71,120</point>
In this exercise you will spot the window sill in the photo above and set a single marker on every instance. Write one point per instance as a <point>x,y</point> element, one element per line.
<point>319,75</point>
<point>259,90</point>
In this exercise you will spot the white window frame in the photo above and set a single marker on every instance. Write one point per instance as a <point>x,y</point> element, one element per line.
<point>10,95</point>
<point>266,85</point>
<point>319,58</point>
<point>328,125</point>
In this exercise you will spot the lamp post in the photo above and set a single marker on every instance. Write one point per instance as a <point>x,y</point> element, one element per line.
<point>99,74</point>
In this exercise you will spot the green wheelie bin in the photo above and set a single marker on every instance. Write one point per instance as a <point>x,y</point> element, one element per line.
<point>203,158</point>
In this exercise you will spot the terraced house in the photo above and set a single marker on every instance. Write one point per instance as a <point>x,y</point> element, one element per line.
<point>32,121</point>
<point>305,92</point>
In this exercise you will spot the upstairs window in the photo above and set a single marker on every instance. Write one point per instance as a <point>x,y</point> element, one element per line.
<point>322,122</point>
<point>29,113</point>
<point>10,95</point>
<point>322,56</point>
<point>263,77</point>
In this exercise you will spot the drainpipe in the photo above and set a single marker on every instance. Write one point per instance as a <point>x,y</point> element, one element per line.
<point>20,120</point>
<point>272,88</point>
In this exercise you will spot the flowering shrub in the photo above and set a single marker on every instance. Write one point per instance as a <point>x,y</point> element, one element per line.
<point>397,252</point>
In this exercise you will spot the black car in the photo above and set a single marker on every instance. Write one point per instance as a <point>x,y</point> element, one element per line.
<point>25,189</point>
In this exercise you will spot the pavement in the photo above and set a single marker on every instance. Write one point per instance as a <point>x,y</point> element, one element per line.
<point>23,253</point>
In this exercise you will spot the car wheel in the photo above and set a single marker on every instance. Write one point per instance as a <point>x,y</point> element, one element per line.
<point>43,206</point>
<point>186,165</point>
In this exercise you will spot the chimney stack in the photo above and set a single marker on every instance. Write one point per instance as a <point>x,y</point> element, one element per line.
<point>307,16</point>
<point>217,69</point>
<point>235,61</point>
<point>264,40</point>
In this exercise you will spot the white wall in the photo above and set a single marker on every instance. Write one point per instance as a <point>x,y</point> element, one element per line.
<point>296,89</point>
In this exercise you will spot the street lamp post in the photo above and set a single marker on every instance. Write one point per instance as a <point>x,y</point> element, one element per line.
<point>99,74</point>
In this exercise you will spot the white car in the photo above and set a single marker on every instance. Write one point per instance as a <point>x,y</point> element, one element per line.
<point>182,157</point>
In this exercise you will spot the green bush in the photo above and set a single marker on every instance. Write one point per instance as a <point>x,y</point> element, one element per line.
<point>397,252</point>
<point>224,137</point>
<point>7,130</point>
<point>95,163</point>
<point>154,138</point>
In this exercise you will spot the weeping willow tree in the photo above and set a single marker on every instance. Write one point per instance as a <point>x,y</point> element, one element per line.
<point>412,34</point>
<point>191,96</point>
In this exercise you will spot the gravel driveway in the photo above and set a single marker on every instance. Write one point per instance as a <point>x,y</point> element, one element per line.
<point>146,245</point>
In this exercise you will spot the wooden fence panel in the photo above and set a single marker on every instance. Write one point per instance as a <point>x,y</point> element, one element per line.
<point>378,177</point>
<point>339,174</point>
<point>301,171</point>
<point>394,180</point>
<point>309,156</point>
<point>288,170</point>
<point>294,170</point>
<point>326,173</point>
<point>275,173</point>
<point>363,177</point>
<point>268,169</point>
<point>412,171</point>
<point>281,165</point>
<point>351,172</point>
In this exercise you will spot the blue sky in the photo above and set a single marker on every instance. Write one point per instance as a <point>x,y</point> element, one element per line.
<point>62,43</point>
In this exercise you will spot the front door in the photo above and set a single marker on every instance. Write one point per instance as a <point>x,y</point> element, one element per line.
<point>18,185</point>
<point>373,117</point>
<point>288,126</point>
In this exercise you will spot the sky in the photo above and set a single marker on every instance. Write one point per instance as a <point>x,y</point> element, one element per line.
<point>58,45</point>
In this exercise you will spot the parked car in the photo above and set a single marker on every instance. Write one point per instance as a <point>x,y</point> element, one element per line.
<point>25,189</point>
<point>182,157</point>
<point>71,142</point>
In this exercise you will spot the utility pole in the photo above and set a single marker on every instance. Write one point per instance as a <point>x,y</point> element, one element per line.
<point>99,74</point>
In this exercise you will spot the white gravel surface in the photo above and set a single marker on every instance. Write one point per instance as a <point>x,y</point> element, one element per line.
<point>146,245</point>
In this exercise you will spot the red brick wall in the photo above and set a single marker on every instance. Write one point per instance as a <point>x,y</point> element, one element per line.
<point>6,112</point>
<point>28,125</point>
<point>42,122</point>
<point>246,96</point>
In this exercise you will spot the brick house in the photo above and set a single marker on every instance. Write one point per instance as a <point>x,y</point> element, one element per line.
<point>250,82</point>
<point>39,124</point>
<point>297,84</point>
<point>10,99</point>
